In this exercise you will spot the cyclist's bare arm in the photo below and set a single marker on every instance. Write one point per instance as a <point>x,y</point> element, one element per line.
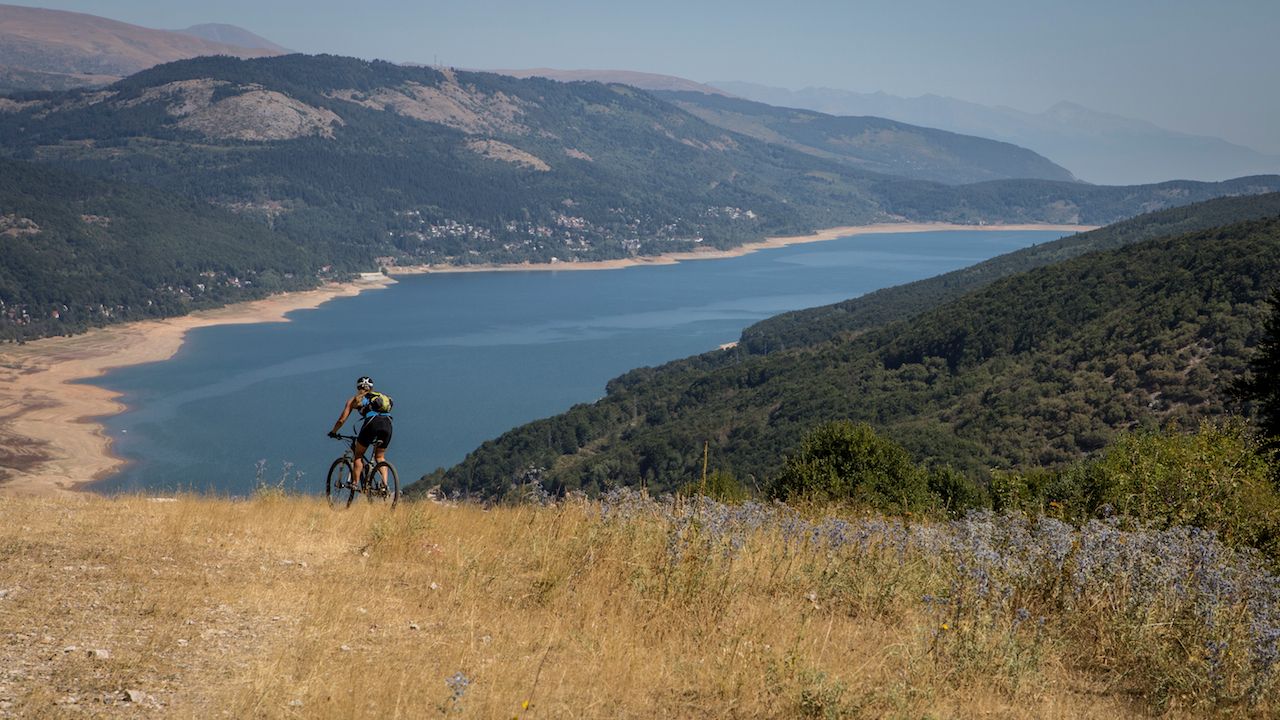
<point>352,405</point>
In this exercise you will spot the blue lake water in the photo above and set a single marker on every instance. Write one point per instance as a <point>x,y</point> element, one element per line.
<point>468,356</point>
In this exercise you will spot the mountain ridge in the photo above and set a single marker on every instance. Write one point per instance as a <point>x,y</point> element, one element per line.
<point>233,35</point>
<point>1129,152</point>
<point>642,80</point>
<point>875,144</point>
<point>84,48</point>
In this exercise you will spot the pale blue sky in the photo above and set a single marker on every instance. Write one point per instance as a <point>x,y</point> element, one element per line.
<point>1196,66</point>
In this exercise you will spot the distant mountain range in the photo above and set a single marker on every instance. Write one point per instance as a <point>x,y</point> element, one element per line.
<point>868,143</point>
<point>1097,147</point>
<point>362,163</point>
<point>872,143</point>
<point>55,50</point>
<point>52,49</point>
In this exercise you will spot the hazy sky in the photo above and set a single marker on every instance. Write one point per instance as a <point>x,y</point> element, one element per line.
<point>1192,65</point>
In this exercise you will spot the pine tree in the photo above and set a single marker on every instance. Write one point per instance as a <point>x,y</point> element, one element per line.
<point>1262,383</point>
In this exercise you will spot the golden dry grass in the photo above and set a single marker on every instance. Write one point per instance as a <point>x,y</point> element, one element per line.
<point>281,607</point>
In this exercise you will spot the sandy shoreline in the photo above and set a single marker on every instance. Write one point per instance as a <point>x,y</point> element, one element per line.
<point>711,254</point>
<point>50,443</point>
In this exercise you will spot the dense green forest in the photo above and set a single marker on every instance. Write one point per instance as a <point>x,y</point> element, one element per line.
<point>1033,370</point>
<point>813,325</point>
<point>76,254</point>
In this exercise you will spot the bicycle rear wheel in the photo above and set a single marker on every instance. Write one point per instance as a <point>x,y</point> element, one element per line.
<point>338,485</point>
<point>389,493</point>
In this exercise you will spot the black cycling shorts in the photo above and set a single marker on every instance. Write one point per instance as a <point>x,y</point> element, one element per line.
<point>376,428</point>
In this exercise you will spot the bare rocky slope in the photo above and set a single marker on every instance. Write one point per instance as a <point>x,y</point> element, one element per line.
<point>92,48</point>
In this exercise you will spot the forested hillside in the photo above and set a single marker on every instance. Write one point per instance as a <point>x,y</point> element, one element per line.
<point>77,253</point>
<point>1036,369</point>
<point>812,325</point>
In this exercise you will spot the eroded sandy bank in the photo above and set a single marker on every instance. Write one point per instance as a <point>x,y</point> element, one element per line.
<point>50,442</point>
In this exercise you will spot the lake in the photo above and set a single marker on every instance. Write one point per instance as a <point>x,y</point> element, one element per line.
<point>467,356</point>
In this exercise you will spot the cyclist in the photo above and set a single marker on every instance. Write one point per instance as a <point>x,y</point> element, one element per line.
<point>376,429</point>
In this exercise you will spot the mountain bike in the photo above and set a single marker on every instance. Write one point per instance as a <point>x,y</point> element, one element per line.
<point>341,491</point>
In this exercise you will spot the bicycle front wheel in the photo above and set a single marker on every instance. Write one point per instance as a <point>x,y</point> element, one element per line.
<point>338,485</point>
<point>389,491</point>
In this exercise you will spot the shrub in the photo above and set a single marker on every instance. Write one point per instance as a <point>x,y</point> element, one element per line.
<point>720,485</point>
<point>1262,384</point>
<point>956,492</point>
<point>1217,479</point>
<point>848,462</point>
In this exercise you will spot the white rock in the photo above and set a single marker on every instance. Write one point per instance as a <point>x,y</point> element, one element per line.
<point>295,703</point>
<point>134,696</point>
<point>435,586</point>
<point>345,648</point>
<point>70,649</point>
<point>100,654</point>
<point>4,593</point>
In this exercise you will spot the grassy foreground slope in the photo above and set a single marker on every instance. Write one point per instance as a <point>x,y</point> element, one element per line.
<point>1033,370</point>
<point>279,607</point>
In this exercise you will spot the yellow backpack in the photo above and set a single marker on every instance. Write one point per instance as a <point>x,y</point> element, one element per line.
<point>376,402</point>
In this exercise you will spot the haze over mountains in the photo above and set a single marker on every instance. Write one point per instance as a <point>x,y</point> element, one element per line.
<point>1098,147</point>
<point>1094,146</point>
<point>232,35</point>
<point>872,143</point>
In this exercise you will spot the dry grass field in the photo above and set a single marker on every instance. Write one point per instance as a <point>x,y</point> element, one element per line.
<point>278,606</point>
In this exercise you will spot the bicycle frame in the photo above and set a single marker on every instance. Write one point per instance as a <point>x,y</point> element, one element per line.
<point>386,486</point>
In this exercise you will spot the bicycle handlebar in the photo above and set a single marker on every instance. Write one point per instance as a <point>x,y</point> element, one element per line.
<point>340,436</point>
